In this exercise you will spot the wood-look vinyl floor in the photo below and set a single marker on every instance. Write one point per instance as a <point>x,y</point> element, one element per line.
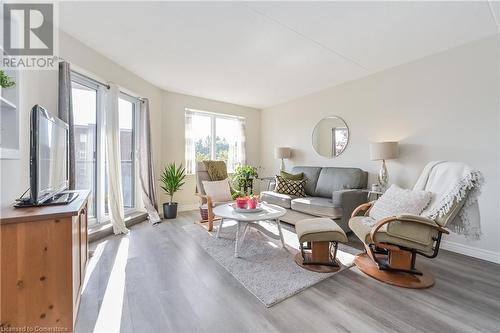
<point>157,279</point>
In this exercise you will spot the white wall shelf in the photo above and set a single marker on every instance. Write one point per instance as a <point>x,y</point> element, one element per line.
<point>9,119</point>
<point>6,104</point>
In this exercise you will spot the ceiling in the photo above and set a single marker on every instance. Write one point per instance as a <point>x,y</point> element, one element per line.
<point>261,54</point>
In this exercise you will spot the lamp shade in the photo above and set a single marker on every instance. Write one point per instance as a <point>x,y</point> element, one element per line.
<point>383,151</point>
<point>282,152</point>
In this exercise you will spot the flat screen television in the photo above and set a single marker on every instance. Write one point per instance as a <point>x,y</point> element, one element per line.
<point>49,137</point>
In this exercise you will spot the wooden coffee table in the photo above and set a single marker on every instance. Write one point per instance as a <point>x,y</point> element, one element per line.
<point>250,220</point>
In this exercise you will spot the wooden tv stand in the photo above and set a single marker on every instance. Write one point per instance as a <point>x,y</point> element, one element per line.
<point>43,256</point>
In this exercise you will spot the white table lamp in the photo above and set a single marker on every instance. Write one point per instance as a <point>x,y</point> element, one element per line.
<point>383,151</point>
<point>282,153</point>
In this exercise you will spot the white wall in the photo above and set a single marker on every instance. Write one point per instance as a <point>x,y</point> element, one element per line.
<point>442,107</point>
<point>174,106</point>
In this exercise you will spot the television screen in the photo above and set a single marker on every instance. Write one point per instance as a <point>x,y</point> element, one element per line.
<point>49,155</point>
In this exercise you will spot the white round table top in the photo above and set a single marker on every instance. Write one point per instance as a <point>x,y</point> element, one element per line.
<point>268,212</point>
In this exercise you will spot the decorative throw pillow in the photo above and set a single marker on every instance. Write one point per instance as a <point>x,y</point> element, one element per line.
<point>218,190</point>
<point>291,176</point>
<point>396,201</point>
<point>291,187</point>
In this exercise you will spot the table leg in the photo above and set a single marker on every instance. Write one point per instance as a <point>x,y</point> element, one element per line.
<point>245,229</point>
<point>236,239</point>
<point>219,227</point>
<point>280,232</point>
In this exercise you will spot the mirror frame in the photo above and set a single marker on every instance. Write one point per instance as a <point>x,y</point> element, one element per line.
<point>348,135</point>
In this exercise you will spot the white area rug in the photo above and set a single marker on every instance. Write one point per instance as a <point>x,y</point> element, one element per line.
<point>266,269</point>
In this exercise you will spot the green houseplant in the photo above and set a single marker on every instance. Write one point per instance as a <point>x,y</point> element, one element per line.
<point>243,178</point>
<point>5,80</point>
<point>172,179</point>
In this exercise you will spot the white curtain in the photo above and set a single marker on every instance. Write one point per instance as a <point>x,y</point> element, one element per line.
<point>242,141</point>
<point>66,115</point>
<point>146,169</point>
<point>189,149</point>
<point>112,129</point>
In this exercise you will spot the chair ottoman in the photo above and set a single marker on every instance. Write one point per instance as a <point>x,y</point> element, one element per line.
<point>322,235</point>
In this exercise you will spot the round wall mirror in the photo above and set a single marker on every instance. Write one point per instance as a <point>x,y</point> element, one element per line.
<point>330,136</point>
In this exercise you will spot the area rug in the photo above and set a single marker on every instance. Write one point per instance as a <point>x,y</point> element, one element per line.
<point>264,268</point>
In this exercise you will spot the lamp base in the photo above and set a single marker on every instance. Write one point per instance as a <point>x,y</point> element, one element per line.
<point>383,176</point>
<point>282,168</point>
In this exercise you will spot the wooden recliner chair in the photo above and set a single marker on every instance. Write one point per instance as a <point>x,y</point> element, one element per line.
<point>393,243</point>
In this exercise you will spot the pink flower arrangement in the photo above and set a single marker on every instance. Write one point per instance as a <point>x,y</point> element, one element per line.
<point>247,202</point>
<point>252,201</point>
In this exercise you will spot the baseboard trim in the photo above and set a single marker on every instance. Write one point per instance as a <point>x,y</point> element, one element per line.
<point>471,251</point>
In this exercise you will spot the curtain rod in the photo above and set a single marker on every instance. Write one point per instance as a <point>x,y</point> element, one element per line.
<point>105,85</point>
<point>91,79</point>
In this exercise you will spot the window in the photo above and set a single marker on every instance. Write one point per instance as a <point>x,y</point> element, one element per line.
<point>85,125</point>
<point>214,136</point>
<point>126,107</point>
<point>90,146</point>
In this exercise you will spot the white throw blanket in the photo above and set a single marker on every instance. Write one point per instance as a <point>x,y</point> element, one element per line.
<point>449,181</point>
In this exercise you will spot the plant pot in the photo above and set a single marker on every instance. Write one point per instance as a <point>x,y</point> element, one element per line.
<point>170,210</point>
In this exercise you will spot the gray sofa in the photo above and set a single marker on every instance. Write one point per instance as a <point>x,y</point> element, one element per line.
<point>331,192</point>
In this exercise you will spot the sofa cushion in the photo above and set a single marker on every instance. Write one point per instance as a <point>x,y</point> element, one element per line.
<point>311,174</point>
<point>282,200</point>
<point>319,230</point>
<point>317,206</point>
<point>333,179</point>
<point>291,176</point>
<point>291,187</point>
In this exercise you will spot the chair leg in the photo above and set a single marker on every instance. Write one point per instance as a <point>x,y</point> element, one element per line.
<point>210,222</point>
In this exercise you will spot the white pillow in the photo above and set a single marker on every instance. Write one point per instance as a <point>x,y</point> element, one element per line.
<point>218,190</point>
<point>396,201</point>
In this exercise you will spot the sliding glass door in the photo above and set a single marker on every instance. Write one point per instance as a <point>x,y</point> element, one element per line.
<point>90,146</point>
<point>85,129</point>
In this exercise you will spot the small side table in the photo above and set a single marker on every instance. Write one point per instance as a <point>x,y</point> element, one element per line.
<point>269,180</point>
<point>371,193</point>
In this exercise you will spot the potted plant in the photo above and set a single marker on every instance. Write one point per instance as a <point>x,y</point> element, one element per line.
<point>243,178</point>
<point>5,81</point>
<point>172,179</point>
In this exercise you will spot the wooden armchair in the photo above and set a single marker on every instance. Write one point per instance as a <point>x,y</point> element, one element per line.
<point>205,201</point>
<point>393,243</point>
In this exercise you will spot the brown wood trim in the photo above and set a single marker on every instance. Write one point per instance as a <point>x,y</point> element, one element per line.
<point>361,209</point>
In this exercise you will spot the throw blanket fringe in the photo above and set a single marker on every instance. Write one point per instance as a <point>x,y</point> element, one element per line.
<point>467,222</point>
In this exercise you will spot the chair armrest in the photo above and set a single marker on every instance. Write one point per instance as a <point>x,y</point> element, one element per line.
<point>362,209</point>
<point>207,198</point>
<point>209,202</point>
<point>406,218</point>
